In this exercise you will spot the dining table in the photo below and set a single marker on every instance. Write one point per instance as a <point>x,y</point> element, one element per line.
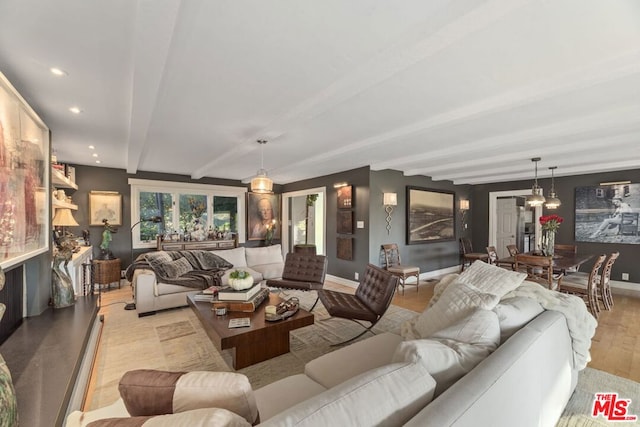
<point>564,262</point>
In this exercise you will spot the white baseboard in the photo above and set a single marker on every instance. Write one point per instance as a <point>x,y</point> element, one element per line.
<point>625,288</point>
<point>423,276</point>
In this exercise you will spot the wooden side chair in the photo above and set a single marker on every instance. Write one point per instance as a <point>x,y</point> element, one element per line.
<point>566,250</point>
<point>468,256</point>
<point>393,265</point>
<point>371,300</point>
<point>513,250</point>
<point>587,290</point>
<point>539,269</point>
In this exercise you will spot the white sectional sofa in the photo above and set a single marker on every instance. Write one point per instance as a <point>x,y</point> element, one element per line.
<point>151,295</point>
<point>512,364</point>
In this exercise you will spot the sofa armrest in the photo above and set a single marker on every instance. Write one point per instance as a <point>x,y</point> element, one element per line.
<point>81,419</point>
<point>341,365</point>
<point>144,284</point>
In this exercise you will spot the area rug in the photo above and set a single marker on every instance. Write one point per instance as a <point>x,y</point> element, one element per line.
<point>578,411</point>
<point>175,340</point>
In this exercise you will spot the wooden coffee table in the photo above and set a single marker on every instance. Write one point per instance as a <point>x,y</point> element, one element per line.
<point>260,341</point>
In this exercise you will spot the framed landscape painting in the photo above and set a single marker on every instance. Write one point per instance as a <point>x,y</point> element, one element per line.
<point>430,215</point>
<point>608,213</point>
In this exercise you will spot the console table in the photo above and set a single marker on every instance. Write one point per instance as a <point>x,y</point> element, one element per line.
<point>207,245</point>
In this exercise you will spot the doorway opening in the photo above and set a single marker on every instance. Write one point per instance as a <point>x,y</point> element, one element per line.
<point>533,230</point>
<point>297,217</point>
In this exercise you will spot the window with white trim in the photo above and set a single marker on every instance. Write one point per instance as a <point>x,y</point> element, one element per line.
<point>194,210</point>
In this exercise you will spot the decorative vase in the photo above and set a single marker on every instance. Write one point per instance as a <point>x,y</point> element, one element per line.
<point>548,242</point>
<point>62,288</point>
<point>240,284</point>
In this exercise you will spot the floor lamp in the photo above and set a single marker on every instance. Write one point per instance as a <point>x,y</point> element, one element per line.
<point>154,219</point>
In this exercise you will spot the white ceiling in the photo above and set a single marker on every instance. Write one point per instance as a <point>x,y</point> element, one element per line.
<point>461,90</point>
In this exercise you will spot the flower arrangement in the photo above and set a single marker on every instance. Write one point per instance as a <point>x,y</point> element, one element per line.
<point>551,222</point>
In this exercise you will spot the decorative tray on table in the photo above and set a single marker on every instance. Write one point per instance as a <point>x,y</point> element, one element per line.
<point>284,310</point>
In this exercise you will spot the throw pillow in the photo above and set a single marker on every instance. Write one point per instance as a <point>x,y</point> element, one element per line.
<point>8,401</point>
<point>492,279</point>
<point>157,261</point>
<point>513,313</point>
<point>153,392</point>
<point>389,395</point>
<point>236,257</point>
<point>210,261</point>
<point>439,287</point>
<point>176,268</point>
<point>265,255</point>
<point>197,417</point>
<point>458,300</point>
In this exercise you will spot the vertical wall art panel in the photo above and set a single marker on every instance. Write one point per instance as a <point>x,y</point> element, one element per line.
<point>24,179</point>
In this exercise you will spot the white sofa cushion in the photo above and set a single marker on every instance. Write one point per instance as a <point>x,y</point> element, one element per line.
<point>270,271</point>
<point>458,300</point>
<point>194,418</point>
<point>513,313</point>
<point>452,352</point>
<point>492,279</point>
<point>285,393</point>
<point>264,255</point>
<point>389,395</point>
<point>235,256</point>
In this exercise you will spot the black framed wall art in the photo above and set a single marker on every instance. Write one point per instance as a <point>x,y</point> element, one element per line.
<point>430,215</point>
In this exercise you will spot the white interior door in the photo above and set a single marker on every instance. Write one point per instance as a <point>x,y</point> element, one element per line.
<point>507,213</point>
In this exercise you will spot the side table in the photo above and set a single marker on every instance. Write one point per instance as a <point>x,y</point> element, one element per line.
<point>106,272</point>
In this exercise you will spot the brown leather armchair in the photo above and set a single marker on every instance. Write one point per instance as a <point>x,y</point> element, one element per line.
<point>303,272</point>
<point>371,300</point>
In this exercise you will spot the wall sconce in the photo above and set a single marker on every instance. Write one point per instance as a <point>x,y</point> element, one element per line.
<point>389,200</point>
<point>464,207</point>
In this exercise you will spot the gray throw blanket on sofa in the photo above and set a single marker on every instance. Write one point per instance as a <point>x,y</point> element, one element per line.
<point>193,269</point>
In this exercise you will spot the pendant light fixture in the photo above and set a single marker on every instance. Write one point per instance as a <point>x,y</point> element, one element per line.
<point>552,201</point>
<point>536,198</point>
<point>261,182</point>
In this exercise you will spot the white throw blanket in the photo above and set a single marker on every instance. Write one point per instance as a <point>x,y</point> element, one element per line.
<point>582,325</point>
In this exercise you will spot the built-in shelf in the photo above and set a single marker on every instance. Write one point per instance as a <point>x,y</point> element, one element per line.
<point>58,180</point>
<point>60,204</point>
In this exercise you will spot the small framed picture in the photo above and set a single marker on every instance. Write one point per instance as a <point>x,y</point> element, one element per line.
<point>345,248</point>
<point>345,222</point>
<point>105,205</point>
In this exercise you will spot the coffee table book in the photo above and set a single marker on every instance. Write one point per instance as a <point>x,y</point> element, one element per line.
<point>243,306</point>
<point>230,294</point>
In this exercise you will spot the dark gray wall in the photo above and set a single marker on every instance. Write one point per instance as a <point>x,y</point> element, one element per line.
<point>565,187</point>
<point>427,256</point>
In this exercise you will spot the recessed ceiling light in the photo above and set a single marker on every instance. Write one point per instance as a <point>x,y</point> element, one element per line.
<point>91,147</point>
<point>75,110</point>
<point>57,71</point>
<point>98,161</point>
<point>95,154</point>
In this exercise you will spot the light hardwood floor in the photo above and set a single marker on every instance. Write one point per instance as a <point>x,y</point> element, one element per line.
<point>615,348</point>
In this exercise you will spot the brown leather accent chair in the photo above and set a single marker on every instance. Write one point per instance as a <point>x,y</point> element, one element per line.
<point>302,272</point>
<point>369,303</point>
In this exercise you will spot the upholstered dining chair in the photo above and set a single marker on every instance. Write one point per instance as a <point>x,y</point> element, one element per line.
<point>493,258</point>
<point>303,272</point>
<point>588,291</point>
<point>539,269</point>
<point>393,264</point>
<point>604,289</point>
<point>513,250</point>
<point>468,256</point>
<point>561,250</point>
<point>369,303</point>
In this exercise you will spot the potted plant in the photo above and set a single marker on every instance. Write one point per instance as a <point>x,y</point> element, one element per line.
<point>240,279</point>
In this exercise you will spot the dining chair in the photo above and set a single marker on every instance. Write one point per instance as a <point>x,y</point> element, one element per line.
<point>369,303</point>
<point>393,264</point>
<point>588,289</point>
<point>539,269</point>
<point>468,256</point>
<point>604,288</point>
<point>513,250</point>
<point>493,258</point>
<point>568,250</point>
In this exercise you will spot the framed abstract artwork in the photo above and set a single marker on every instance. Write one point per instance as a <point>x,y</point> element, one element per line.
<point>608,214</point>
<point>345,248</point>
<point>430,215</point>
<point>105,205</point>
<point>345,197</point>
<point>24,184</point>
<point>345,222</point>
